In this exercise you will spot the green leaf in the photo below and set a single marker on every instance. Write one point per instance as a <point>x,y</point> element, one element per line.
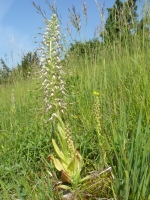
<point>57,163</point>
<point>127,185</point>
<point>62,140</point>
<point>58,151</point>
<point>71,167</point>
<point>65,187</point>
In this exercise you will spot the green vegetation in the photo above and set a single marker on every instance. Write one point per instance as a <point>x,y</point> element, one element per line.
<point>85,130</point>
<point>121,20</point>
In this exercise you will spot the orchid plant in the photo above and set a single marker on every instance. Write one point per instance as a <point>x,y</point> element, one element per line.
<point>70,161</point>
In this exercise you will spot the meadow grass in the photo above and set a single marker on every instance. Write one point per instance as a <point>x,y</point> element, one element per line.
<point>120,78</point>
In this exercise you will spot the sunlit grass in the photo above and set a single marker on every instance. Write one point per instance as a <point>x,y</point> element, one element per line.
<point>119,77</point>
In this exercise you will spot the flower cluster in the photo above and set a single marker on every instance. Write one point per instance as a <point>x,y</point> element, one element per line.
<point>101,138</point>
<point>69,141</point>
<point>52,73</point>
<point>97,115</point>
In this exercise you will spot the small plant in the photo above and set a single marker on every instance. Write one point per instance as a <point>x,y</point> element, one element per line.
<point>100,137</point>
<point>70,161</point>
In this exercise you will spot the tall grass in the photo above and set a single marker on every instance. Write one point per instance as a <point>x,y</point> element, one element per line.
<point>120,74</point>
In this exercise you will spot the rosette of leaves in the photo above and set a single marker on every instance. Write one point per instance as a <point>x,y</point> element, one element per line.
<point>69,161</point>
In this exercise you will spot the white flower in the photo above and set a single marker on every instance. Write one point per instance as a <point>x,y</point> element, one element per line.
<point>53,76</point>
<point>43,59</point>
